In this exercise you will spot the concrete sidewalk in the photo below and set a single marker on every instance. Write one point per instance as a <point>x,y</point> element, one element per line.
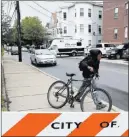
<point>27,88</point>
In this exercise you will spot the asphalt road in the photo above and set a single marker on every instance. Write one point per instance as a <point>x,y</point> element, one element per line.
<point>113,77</point>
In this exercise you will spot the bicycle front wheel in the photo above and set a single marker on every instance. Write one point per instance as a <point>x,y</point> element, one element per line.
<point>58,94</point>
<point>99,100</point>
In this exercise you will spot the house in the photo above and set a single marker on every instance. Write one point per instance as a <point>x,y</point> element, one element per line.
<point>81,20</point>
<point>115,21</point>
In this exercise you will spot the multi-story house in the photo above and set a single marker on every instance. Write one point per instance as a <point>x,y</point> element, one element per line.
<point>115,21</point>
<point>81,20</point>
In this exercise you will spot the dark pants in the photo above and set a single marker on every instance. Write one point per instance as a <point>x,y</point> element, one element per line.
<point>83,87</point>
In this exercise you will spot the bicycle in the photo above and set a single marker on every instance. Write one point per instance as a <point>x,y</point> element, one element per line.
<point>70,98</point>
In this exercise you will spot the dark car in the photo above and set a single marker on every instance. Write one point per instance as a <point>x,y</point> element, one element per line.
<point>117,52</point>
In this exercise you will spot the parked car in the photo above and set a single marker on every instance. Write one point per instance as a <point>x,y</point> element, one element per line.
<point>117,52</point>
<point>31,49</point>
<point>14,51</point>
<point>103,47</point>
<point>24,49</point>
<point>87,49</point>
<point>43,56</point>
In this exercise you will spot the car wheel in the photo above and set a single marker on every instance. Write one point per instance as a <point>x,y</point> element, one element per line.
<point>36,62</point>
<point>109,57</point>
<point>118,56</point>
<point>74,54</point>
<point>31,61</point>
<point>55,64</point>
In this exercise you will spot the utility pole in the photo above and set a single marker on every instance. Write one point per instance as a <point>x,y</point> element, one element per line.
<point>128,20</point>
<point>19,31</point>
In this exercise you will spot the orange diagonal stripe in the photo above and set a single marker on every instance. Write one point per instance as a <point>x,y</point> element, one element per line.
<point>91,126</point>
<point>31,124</point>
<point>126,133</point>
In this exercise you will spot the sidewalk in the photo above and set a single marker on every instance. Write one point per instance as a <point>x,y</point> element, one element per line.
<point>27,88</point>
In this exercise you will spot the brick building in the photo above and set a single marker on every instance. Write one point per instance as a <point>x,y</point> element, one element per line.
<point>115,21</point>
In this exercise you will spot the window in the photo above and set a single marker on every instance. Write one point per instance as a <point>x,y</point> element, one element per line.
<point>79,44</point>
<point>100,14</point>
<point>99,46</point>
<point>126,8</point>
<point>64,16</point>
<point>115,33</point>
<point>89,28</point>
<point>81,12</point>
<point>75,29</point>
<point>82,28</point>
<point>106,45</point>
<point>100,29</point>
<point>89,12</point>
<point>99,41</point>
<point>126,32</point>
<point>65,30</point>
<point>89,43</point>
<point>116,13</point>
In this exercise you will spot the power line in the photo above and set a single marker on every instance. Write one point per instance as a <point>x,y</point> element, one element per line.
<point>38,11</point>
<point>42,13</point>
<point>50,11</point>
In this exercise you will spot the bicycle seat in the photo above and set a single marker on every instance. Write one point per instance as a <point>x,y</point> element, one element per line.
<point>70,75</point>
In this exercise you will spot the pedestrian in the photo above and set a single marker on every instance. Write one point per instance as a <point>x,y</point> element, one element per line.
<point>89,67</point>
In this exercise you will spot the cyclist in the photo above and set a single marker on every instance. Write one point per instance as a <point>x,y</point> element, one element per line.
<point>90,66</point>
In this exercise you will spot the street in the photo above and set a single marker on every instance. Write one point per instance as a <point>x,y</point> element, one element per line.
<point>113,77</point>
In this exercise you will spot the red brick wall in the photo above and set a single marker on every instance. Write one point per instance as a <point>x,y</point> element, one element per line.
<point>109,23</point>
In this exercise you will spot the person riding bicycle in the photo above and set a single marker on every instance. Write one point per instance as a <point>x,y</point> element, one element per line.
<point>90,66</point>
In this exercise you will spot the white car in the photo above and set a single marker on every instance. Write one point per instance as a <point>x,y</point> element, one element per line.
<point>14,50</point>
<point>87,49</point>
<point>24,49</point>
<point>42,56</point>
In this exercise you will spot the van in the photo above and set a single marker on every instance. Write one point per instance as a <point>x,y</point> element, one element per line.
<point>63,46</point>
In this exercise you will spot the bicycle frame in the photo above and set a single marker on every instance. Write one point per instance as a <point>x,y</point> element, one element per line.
<point>70,82</point>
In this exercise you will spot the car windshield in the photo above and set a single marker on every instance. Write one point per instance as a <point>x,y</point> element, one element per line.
<point>43,52</point>
<point>120,46</point>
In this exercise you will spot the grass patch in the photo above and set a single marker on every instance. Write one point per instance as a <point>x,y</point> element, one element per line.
<point>2,51</point>
<point>3,104</point>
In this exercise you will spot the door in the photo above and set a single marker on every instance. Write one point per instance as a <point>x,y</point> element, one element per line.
<point>54,50</point>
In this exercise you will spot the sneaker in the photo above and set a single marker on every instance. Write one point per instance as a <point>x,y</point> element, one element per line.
<point>100,106</point>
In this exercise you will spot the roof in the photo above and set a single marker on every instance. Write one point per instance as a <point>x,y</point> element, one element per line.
<point>90,2</point>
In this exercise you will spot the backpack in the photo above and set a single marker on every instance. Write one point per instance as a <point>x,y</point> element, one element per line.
<point>83,63</point>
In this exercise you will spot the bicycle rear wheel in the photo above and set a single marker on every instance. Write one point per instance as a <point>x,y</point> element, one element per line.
<point>58,94</point>
<point>102,102</point>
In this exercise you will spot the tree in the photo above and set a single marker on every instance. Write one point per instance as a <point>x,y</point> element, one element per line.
<point>5,27</point>
<point>32,30</point>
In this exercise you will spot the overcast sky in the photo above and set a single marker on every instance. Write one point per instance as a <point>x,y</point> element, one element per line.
<point>26,10</point>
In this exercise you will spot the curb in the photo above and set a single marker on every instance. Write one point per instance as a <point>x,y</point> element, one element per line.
<point>5,94</point>
<point>114,108</point>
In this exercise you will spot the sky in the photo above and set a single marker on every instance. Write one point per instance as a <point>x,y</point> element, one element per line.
<point>27,8</point>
